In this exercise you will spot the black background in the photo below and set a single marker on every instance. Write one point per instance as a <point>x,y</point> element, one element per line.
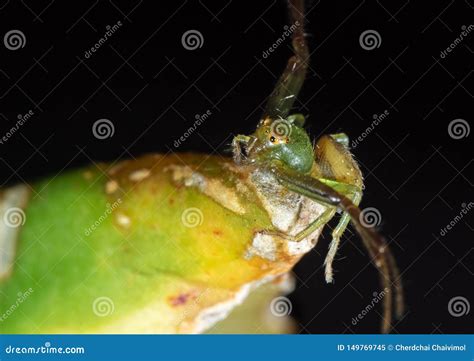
<point>151,88</point>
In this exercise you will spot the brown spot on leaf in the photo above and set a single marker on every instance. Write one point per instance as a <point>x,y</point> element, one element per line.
<point>181,299</point>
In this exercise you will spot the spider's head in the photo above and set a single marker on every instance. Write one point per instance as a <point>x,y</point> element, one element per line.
<point>281,141</point>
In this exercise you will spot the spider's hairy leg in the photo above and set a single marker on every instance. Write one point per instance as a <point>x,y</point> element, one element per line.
<point>354,194</point>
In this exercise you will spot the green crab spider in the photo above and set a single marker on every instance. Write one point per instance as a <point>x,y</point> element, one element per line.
<point>326,173</point>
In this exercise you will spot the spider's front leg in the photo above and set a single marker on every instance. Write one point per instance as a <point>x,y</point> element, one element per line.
<point>324,218</point>
<point>317,190</point>
<point>239,144</point>
<point>347,190</point>
<point>354,194</point>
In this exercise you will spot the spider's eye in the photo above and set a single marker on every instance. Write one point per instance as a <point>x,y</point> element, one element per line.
<point>287,140</point>
<point>272,139</point>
